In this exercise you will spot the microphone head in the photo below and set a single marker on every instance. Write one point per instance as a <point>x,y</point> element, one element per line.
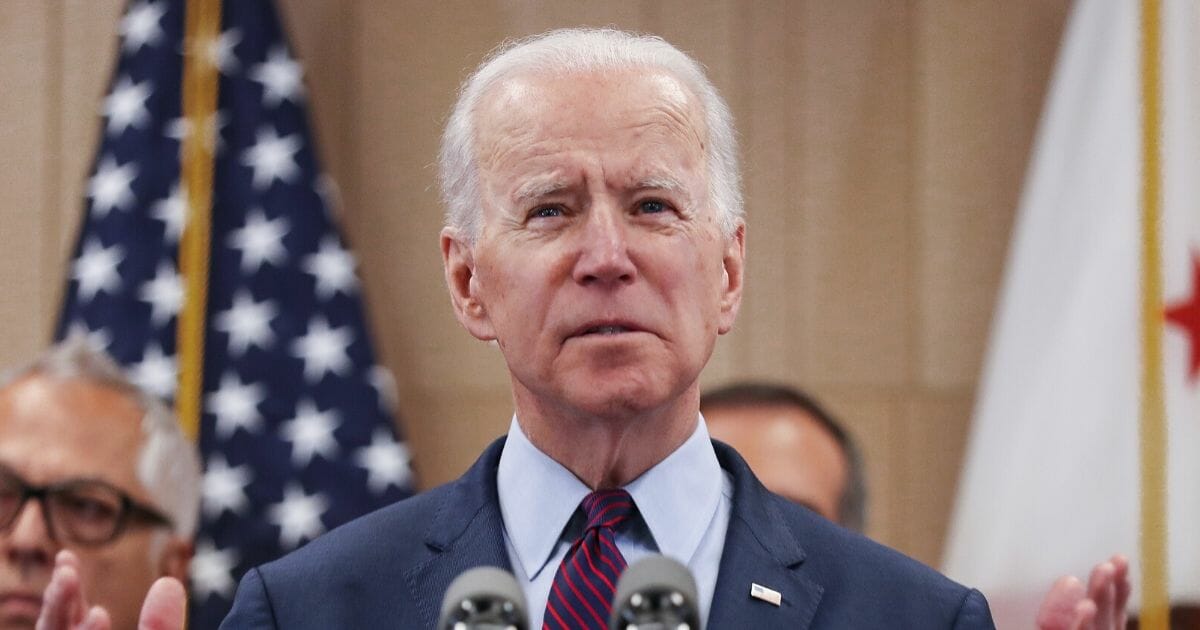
<point>655,593</point>
<point>484,598</point>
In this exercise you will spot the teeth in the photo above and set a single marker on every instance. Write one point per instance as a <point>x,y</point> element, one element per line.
<point>608,330</point>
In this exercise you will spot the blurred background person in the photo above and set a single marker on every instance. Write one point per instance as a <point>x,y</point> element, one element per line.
<point>796,447</point>
<point>91,464</point>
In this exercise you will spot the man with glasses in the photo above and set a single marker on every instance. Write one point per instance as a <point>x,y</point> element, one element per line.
<point>96,474</point>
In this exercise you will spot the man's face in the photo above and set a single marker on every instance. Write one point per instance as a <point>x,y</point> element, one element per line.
<point>789,451</point>
<point>55,430</point>
<point>600,270</point>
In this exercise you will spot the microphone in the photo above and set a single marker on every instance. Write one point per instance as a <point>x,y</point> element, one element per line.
<point>656,593</point>
<point>484,598</point>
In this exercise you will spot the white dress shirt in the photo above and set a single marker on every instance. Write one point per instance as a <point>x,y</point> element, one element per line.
<point>684,502</point>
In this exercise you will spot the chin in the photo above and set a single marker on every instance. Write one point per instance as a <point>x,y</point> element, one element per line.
<point>611,396</point>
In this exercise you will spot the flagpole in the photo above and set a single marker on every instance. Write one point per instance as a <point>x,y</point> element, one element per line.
<point>202,28</point>
<point>1155,611</point>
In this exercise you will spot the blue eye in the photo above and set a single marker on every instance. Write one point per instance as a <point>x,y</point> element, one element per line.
<point>651,206</point>
<point>546,212</point>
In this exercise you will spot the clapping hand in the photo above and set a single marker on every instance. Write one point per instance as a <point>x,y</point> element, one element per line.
<point>1069,605</point>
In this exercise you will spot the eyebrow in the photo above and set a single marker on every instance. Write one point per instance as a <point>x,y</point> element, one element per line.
<point>538,188</point>
<point>661,182</point>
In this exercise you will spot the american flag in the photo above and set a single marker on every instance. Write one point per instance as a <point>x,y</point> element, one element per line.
<point>297,434</point>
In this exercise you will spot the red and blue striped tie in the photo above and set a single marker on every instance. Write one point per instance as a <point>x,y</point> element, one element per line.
<point>582,593</point>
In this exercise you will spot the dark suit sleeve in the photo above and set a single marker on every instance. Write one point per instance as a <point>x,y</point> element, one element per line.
<point>974,613</point>
<point>251,605</point>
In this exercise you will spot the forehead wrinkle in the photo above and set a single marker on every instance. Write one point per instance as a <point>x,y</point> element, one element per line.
<point>539,187</point>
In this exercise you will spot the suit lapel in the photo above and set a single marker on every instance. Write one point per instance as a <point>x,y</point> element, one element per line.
<point>467,531</point>
<point>759,549</point>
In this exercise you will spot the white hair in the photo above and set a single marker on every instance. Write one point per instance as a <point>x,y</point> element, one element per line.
<point>576,50</point>
<point>168,464</point>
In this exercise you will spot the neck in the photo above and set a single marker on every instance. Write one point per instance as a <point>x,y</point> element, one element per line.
<point>608,450</point>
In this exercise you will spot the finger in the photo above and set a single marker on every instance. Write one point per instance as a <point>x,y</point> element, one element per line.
<point>97,619</point>
<point>1103,592</point>
<point>60,600</point>
<point>1058,608</point>
<point>165,607</point>
<point>1123,588</point>
<point>75,604</point>
<point>1085,616</point>
<point>66,558</point>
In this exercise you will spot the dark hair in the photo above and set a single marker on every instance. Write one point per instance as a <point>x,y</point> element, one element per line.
<point>852,507</point>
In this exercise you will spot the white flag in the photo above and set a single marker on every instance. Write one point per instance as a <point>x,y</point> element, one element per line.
<point>1051,482</point>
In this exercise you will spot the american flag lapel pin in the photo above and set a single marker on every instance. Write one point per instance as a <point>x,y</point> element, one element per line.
<point>758,591</point>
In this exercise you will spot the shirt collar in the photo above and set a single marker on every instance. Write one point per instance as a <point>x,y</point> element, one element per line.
<point>676,498</point>
<point>537,498</point>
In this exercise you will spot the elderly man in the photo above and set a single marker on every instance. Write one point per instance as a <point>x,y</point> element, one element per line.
<point>94,471</point>
<point>595,233</point>
<point>796,447</point>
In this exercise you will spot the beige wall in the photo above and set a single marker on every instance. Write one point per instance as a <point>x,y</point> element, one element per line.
<point>884,146</point>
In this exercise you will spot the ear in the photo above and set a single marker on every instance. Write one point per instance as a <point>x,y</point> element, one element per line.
<point>734,264</point>
<point>176,557</point>
<point>458,257</point>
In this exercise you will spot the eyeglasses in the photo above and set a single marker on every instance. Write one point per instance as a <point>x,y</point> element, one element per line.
<point>81,511</point>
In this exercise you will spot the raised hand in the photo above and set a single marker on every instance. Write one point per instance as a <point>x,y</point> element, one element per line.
<point>65,605</point>
<point>1069,605</point>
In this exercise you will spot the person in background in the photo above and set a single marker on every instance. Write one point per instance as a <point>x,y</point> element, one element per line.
<point>801,451</point>
<point>794,445</point>
<point>96,475</point>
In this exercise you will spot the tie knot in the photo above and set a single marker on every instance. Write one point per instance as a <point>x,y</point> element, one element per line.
<point>607,508</point>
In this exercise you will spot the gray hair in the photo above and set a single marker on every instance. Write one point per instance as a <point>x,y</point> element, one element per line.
<point>168,464</point>
<point>575,50</point>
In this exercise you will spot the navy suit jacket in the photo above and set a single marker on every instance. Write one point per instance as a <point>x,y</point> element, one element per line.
<point>389,569</point>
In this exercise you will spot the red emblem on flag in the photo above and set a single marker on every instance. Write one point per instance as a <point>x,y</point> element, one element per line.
<point>1186,315</point>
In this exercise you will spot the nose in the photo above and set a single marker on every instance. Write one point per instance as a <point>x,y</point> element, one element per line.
<point>27,544</point>
<point>604,259</point>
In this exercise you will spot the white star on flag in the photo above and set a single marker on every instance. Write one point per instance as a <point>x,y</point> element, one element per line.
<point>247,323</point>
<point>164,293</point>
<point>212,571</point>
<point>111,186</point>
<point>387,461</point>
<point>211,126</point>
<point>281,77</point>
<point>140,26</point>
<point>333,268</point>
<point>323,349</point>
<point>273,158</point>
<point>156,373</point>
<point>125,106</point>
<point>311,433</point>
<point>96,269</point>
<point>235,404</point>
<point>259,241</point>
<point>384,382</point>
<point>224,488</point>
<point>298,516</point>
<point>98,340</point>
<point>172,211</point>
<point>219,51</point>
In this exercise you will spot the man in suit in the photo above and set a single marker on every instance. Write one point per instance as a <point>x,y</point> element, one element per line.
<point>594,232</point>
